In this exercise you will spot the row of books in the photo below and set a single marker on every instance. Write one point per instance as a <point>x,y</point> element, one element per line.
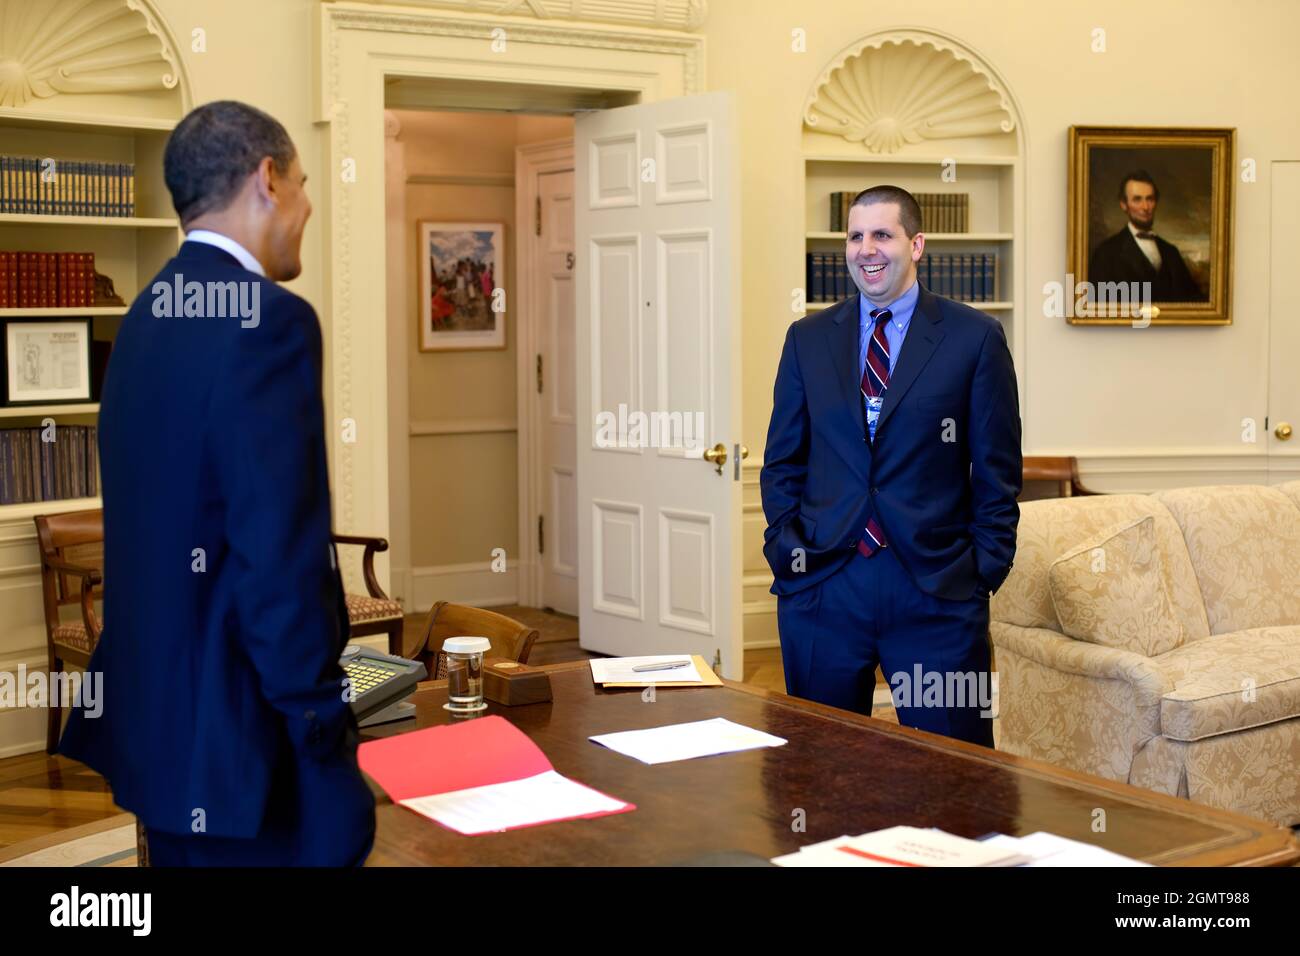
<point>36,470</point>
<point>45,186</point>
<point>940,212</point>
<point>970,278</point>
<point>47,280</point>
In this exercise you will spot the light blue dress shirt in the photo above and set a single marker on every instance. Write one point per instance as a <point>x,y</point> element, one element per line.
<point>901,310</point>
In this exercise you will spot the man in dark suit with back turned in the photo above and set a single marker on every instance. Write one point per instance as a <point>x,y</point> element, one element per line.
<point>1136,254</point>
<point>225,728</point>
<point>889,484</point>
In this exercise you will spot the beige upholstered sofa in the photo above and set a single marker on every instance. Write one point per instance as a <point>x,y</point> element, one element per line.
<point>1155,639</point>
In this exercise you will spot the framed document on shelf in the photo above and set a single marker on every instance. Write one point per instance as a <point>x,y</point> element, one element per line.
<point>46,362</point>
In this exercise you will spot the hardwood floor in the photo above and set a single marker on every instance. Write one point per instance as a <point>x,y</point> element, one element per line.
<point>40,794</point>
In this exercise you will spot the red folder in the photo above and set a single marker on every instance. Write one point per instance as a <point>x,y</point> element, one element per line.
<point>475,753</point>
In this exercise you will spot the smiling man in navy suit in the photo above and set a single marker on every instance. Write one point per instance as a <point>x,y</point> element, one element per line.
<point>225,728</point>
<point>889,485</point>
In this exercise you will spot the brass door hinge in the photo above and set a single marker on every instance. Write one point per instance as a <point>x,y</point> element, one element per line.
<point>541,534</point>
<point>538,215</point>
<point>539,373</point>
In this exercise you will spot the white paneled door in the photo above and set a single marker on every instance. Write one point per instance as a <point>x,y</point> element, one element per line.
<point>557,376</point>
<point>1284,330</point>
<point>657,291</point>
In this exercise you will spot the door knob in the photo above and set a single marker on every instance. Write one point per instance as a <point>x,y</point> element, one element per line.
<point>717,455</point>
<point>1283,430</point>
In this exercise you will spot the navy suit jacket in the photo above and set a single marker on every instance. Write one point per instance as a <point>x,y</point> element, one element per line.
<point>942,475</point>
<point>223,702</point>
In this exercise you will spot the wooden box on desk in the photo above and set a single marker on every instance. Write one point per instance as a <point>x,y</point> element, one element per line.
<point>511,683</point>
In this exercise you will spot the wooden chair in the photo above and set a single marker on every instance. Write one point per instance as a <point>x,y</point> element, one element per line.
<point>509,638</point>
<point>72,564</point>
<point>373,612</point>
<point>1063,471</point>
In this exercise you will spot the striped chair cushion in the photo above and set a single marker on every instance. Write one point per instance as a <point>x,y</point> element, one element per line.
<point>74,635</point>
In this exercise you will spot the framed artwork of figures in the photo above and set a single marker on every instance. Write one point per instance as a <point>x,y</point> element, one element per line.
<point>462,299</point>
<point>1150,224</point>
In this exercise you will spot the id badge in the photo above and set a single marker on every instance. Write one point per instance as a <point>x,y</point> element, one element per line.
<point>873,411</point>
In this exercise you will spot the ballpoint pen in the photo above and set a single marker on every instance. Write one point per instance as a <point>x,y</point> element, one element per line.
<point>667,666</point>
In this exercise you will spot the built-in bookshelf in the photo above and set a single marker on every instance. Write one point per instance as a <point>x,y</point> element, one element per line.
<point>990,184</point>
<point>129,250</point>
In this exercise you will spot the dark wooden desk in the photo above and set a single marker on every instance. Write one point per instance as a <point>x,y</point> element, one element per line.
<point>848,774</point>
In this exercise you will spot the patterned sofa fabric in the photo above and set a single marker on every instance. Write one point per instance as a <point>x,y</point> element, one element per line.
<point>1216,720</point>
<point>1050,528</point>
<point>1231,682</point>
<point>1251,771</point>
<point>1110,590</point>
<point>1083,706</point>
<point>1244,542</point>
<point>1292,490</point>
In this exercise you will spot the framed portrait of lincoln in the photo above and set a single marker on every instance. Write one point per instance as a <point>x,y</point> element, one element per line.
<point>1150,225</point>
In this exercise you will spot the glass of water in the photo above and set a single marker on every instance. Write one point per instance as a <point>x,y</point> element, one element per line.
<point>465,673</point>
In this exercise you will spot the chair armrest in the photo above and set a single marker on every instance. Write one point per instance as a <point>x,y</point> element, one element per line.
<point>378,544</point>
<point>1059,652</point>
<point>90,576</point>
<point>372,545</point>
<point>90,579</point>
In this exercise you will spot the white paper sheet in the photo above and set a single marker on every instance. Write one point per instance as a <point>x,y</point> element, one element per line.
<point>905,846</point>
<point>700,738</point>
<point>1048,849</point>
<point>538,799</point>
<point>609,670</point>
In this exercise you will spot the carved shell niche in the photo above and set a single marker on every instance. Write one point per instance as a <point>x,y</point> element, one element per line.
<point>81,46</point>
<point>899,91</point>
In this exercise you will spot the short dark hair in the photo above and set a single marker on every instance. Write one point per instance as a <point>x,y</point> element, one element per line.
<point>909,210</point>
<point>214,149</point>
<point>1137,176</point>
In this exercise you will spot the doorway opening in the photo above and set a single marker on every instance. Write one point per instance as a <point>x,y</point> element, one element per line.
<point>482,476</point>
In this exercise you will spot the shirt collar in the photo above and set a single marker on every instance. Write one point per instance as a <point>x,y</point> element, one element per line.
<point>1135,230</point>
<point>229,245</point>
<point>901,309</point>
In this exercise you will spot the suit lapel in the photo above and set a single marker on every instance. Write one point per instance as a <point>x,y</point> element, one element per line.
<point>1136,257</point>
<point>923,337</point>
<point>842,340</point>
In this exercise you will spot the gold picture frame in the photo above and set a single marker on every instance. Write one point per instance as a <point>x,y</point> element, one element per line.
<point>1116,248</point>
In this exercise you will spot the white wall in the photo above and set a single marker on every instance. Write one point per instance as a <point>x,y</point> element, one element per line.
<point>1092,392</point>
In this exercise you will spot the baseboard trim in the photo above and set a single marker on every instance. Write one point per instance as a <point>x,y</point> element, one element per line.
<point>475,584</point>
<point>760,624</point>
<point>22,729</point>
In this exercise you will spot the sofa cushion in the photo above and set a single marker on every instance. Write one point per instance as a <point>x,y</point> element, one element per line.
<point>1244,542</point>
<point>1231,682</point>
<point>1110,590</point>
<point>1050,528</point>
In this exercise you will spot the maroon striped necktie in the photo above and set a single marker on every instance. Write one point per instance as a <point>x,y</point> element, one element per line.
<point>875,379</point>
